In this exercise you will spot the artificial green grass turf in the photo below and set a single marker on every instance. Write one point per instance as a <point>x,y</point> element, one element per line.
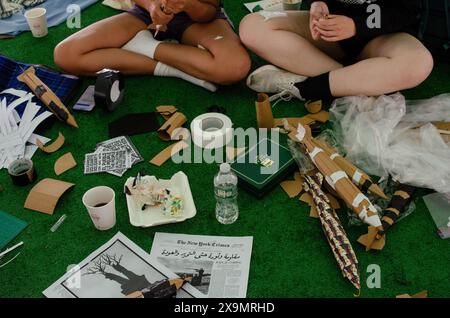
<point>291,257</point>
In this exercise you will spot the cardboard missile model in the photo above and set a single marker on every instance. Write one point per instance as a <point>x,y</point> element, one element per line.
<point>360,178</point>
<point>334,231</point>
<point>47,96</point>
<point>338,179</point>
<point>163,289</point>
<point>375,238</point>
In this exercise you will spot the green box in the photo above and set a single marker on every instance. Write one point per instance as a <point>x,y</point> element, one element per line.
<point>254,176</point>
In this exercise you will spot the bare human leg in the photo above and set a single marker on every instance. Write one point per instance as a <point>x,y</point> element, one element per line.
<point>286,42</point>
<point>387,64</point>
<point>99,46</point>
<point>221,59</point>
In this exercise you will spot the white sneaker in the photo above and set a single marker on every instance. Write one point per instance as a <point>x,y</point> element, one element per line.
<point>271,79</point>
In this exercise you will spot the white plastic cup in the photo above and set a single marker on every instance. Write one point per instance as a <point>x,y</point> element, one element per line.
<point>101,205</point>
<point>289,5</point>
<point>37,20</point>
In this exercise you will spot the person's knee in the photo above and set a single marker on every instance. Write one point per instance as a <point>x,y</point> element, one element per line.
<point>249,28</point>
<point>65,57</point>
<point>232,70</point>
<point>418,66</point>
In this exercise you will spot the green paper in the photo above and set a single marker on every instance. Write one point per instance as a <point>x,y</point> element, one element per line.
<point>10,227</point>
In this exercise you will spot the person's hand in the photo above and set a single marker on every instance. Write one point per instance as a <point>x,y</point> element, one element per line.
<point>159,15</point>
<point>335,28</point>
<point>318,11</point>
<point>174,6</point>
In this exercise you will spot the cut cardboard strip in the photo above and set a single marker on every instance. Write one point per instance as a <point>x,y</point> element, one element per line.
<point>232,152</point>
<point>166,111</point>
<point>167,153</point>
<point>55,146</point>
<point>64,164</point>
<point>45,195</point>
<point>313,107</point>
<point>422,294</point>
<point>176,121</point>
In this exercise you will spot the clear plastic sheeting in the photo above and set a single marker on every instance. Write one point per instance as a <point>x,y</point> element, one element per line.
<point>383,136</point>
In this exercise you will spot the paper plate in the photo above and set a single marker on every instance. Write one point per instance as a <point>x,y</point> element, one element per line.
<point>153,216</point>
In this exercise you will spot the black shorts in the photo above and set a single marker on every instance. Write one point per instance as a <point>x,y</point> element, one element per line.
<point>177,26</point>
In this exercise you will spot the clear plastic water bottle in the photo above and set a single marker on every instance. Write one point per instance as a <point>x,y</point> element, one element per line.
<point>226,192</point>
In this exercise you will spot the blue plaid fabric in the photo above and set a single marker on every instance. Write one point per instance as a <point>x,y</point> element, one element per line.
<point>62,85</point>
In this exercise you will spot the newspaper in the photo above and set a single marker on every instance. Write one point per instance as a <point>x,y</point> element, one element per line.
<point>114,270</point>
<point>218,265</point>
<point>120,143</point>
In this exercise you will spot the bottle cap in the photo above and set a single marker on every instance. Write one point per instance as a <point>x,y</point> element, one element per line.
<point>225,168</point>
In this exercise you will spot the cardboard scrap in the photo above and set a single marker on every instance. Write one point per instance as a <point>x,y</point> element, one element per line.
<point>422,294</point>
<point>308,199</point>
<point>166,111</point>
<point>232,152</point>
<point>64,163</point>
<point>279,122</point>
<point>313,107</point>
<point>176,121</point>
<point>369,240</point>
<point>322,116</point>
<point>333,201</point>
<point>55,146</point>
<point>167,153</point>
<point>45,195</point>
<point>293,188</point>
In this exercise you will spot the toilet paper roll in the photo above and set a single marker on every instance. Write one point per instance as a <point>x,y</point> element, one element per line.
<point>212,130</point>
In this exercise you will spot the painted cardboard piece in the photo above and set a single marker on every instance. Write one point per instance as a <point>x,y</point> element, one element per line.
<point>45,195</point>
<point>334,231</point>
<point>47,96</point>
<point>54,146</point>
<point>359,177</point>
<point>64,163</point>
<point>339,180</point>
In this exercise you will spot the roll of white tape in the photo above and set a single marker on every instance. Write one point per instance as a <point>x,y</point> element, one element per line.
<point>212,130</point>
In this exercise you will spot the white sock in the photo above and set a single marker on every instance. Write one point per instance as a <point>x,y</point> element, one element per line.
<point>164,70</point>
<point>143,43</point>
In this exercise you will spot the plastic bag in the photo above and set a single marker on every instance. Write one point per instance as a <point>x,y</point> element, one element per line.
<point>380,136</point>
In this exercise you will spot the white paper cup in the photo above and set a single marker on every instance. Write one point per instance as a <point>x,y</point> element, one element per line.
<point>289,5</point>
<point>101,205</point>
<point>37,20</point>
